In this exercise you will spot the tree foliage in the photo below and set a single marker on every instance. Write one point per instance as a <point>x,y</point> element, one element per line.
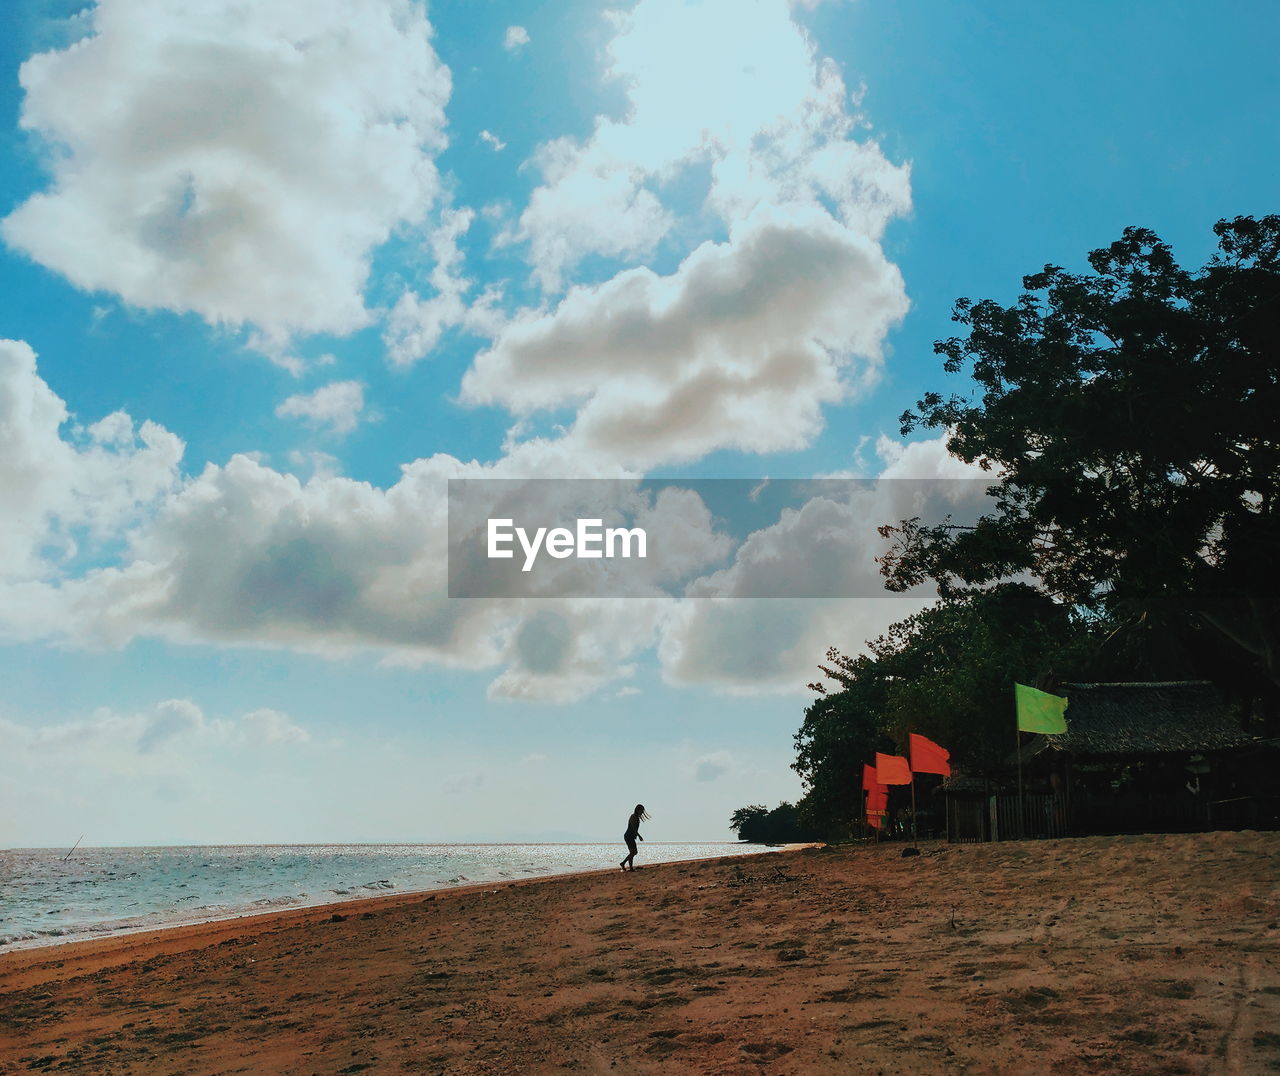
<point>1131,419</point>
<point>946,672</point>
<point>758,824</point>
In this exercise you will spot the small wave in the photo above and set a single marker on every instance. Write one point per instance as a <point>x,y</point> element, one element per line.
<point>381,883</point>
<point>23,935</point>
<point>274,902</point>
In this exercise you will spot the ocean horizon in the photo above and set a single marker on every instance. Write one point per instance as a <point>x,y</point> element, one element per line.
<point>46,898</point>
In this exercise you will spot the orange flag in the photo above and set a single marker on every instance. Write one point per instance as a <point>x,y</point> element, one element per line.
<point>928,757</point>
<point>869,782</point>
<point>877,801</point>
<point>892,770</point>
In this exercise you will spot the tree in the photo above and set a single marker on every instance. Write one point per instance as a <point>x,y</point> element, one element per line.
<point>1131,419</point>
<point>841,731</point>
<point>757,823</point>
<point>946,672</point>
<point>746,822</point>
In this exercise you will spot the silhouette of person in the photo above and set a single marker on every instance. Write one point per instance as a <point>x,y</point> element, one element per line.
<point>632,834</point>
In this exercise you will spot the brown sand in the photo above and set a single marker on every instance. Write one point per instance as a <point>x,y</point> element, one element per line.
<point>1097,955</point>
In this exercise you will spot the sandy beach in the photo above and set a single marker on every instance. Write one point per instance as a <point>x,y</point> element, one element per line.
<point>1101,954</point>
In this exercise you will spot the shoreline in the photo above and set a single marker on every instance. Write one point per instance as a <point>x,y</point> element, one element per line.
<point>329,907</point>
<point>1157,953</point>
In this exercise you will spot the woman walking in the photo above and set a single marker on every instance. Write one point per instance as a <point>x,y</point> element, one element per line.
<point>633,834</point>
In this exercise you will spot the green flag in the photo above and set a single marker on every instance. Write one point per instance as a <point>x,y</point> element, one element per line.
<point>1038,711</point>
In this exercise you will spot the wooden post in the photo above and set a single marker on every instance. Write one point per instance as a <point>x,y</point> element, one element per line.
<point>73,848</point>
<point>914,839</point>
<point>1022,807</point>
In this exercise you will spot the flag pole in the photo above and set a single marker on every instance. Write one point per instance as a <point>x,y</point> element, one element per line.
<point>915,840</point>
<point>1017,750</point>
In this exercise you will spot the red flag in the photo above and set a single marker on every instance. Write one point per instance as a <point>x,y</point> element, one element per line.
<point>869,782</point>
<point>877,801</point>
<point>892,770</point>
<point>877,796</point>
<point>928,757</point>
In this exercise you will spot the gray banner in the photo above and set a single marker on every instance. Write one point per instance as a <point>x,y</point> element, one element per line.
<point>704,538</point>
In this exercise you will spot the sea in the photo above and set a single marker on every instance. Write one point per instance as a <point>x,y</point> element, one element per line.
<point>48,897</point>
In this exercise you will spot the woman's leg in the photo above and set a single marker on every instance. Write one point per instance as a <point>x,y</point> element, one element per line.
<point>629,862</point>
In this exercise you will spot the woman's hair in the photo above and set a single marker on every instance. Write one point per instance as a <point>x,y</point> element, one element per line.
<point>641,812</point>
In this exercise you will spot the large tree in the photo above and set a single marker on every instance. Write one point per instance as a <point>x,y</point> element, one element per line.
<point>1131,420</point>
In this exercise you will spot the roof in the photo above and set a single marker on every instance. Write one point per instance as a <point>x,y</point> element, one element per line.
<point>1160,717</point>
<point>960,784</point>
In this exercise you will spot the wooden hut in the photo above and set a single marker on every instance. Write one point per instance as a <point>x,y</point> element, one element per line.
<point>1143,757</point>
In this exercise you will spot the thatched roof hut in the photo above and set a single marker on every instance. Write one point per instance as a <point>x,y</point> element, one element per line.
<point>1124,720</point>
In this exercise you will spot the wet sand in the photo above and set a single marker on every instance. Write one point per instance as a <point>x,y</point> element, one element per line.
<point>1155,954</point>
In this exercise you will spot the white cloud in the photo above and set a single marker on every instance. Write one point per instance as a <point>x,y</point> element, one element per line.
<point>461,783</point>
<point>709,767</point>
<point>58,492</point>
<point>748,645</point>
<point>492,141</point>
<point>589,203</point>
<point>739,348</point>
<point>516,38</point>
<point>744,344</point>
<point>236,160</point>
<point>174,725</point>
<point>169,720</point>
<point>316,464</point>
<point>244,555</point>
<point>768,118</point>
<point>270,728</point>
<point>415,325</point>
<point>337,405</point>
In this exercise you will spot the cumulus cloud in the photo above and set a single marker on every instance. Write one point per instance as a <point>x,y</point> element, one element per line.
<point>415,325</point>
<point>742,346</point>
<point>170,720</point>
<point>709,767</point>
<point>748,645</point>
<point>516,38</point>
<point>173,724</point>
<point>271,727</point>
<point>739,348</point>
<point>244,555</point>
<point>772,124</point>
<point>336,405</point>
<point>492,141</point>
<point>59,491</point>
<point>240,161</point>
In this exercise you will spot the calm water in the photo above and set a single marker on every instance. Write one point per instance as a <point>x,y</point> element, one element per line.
<point>106,890</point>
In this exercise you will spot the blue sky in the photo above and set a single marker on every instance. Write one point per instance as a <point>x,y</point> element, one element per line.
<point>325,257</point>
